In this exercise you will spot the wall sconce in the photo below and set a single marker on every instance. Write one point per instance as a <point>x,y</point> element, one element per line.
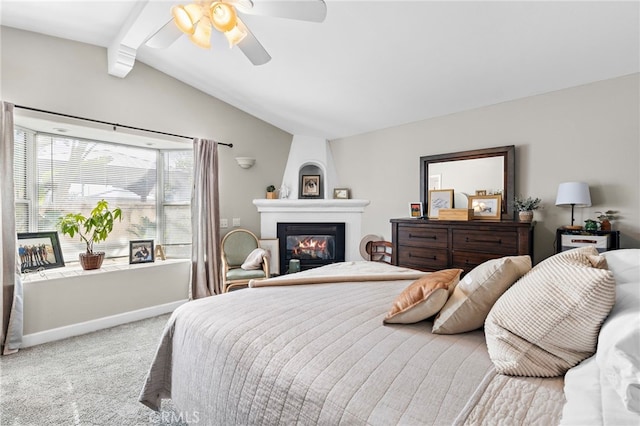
<point>245,162</point>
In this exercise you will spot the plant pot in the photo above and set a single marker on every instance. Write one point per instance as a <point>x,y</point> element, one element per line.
<point>526,216</point>
<point>91,260</point>
<point>271,195</point>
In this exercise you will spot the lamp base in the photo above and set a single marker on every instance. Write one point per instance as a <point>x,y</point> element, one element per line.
<point>572,227</point>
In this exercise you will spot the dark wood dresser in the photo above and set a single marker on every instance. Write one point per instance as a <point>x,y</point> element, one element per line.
<point>431,245</point>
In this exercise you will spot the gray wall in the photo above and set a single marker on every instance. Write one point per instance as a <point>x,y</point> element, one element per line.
<point>588,133</point>
<point>69,77</point>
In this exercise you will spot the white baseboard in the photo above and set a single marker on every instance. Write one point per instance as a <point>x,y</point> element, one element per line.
<point>97,324</point>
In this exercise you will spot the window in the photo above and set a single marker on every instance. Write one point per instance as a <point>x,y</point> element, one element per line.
<point>55,175</point>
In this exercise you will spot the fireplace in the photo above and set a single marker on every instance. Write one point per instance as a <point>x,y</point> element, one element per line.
<point>314,244</point>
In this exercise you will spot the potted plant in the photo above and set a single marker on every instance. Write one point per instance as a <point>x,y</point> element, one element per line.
<point>525,207</point>
<point>605,219</point>
<point>271,192</point>
<point>92,229</point>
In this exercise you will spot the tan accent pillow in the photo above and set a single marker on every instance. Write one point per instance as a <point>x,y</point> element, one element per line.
<point>423,298</point>
<point>477,291</point>
<point>549,320</point>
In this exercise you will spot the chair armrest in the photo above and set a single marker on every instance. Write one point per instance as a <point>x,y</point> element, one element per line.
<point>265,266</point>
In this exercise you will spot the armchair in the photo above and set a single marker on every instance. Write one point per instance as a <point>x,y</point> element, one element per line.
<point>235,248</point>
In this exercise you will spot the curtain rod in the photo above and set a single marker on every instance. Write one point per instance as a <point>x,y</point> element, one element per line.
<point>115,125</point>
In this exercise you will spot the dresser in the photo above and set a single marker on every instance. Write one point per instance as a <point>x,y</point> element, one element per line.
<point>431,245</point>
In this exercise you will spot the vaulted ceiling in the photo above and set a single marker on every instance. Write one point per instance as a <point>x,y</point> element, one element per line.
<point>370,64</point>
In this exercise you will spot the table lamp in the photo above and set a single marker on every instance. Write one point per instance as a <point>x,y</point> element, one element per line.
<point>574,194</point>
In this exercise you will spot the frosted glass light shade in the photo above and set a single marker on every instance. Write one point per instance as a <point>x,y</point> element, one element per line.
<point>202,35</point>
<point>573,193</point>
<point>186,17</point>
<point>245,162</point>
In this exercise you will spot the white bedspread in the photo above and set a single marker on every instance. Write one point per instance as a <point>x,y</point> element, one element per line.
<point>319,354</point>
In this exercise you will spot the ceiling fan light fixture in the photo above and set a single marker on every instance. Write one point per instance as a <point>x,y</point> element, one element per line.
<point>202,34</point>
<point>186,17</point>
<point>223,16</point>
<point>235,35</point>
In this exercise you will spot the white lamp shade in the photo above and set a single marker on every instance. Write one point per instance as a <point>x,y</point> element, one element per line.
<point>576,193</point>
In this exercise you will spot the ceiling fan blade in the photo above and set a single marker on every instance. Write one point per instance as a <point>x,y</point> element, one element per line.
<point>243,6</point>
<point>301,10</point>
<point>165,36</point>
<point>252,48</point>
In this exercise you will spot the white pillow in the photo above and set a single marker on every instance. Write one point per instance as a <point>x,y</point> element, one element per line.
<point>625,265</point>
<point>474,296</point>
<point>254,260</point>
<point>618,353</point>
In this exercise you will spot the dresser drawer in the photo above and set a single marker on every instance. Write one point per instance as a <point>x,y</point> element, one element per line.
<point>469,260</point>
<point>417,236</point>
<point>423,258</point>
<point>499,242</point>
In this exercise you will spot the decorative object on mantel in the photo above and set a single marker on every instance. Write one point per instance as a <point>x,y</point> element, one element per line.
<point>271,192</point>
<point>92,229</point>
<point>341,193</point>
<point>245,162</point>
<point>605,219</point>
<point>284,192</point>
<point>525,207</point>
<point>573,194</point>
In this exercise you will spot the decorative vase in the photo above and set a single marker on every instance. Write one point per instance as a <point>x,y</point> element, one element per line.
<point>526,216</point>
<point>590,225</point>
<point>91,260</point>
<point>271,195</point>
<point>605,225</point>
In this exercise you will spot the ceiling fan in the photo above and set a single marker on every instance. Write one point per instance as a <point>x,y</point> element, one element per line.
<point>198,18</point>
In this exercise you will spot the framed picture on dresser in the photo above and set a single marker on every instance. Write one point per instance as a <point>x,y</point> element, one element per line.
<point>439,199</point>
<point>487,207</point>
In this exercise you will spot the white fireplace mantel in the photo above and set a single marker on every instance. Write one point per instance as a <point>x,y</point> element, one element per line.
<point>315,210</point>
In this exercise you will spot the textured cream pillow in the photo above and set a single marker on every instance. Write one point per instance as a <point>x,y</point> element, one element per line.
<point>423,298</point>
<point>474,296</point>
<point>549,320</point>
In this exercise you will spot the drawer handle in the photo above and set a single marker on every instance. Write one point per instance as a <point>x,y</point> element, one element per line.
<point>429,237</point>
<point>424,257</point>
<point>480,240</point>
<point>584,241</point>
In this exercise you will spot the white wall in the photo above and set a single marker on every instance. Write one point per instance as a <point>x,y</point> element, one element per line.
<point>69,77</point>
<point>588,133</point>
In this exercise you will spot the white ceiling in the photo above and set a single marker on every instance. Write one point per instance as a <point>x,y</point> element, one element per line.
<point>371,64</point>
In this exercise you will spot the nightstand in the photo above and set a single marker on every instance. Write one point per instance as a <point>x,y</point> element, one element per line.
<point>567,239</point>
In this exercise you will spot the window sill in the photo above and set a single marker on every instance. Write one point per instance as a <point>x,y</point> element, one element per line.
<point>75,270</point>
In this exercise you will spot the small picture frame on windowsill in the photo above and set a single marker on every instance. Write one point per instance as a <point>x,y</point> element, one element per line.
<point>39,250</point>
<point>141,251</point>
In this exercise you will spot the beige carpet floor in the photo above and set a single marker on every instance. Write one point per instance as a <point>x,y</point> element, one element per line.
<point>94,379</point>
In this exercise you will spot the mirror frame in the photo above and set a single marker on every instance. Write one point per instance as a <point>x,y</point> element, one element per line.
<point>507,152</point>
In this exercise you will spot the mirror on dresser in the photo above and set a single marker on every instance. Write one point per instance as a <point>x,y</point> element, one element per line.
<point>490,169</point>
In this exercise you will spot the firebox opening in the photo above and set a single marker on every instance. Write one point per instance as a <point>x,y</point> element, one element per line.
<point>314,244</point>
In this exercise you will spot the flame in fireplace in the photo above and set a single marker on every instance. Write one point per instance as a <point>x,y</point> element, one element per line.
<point>311,247</point>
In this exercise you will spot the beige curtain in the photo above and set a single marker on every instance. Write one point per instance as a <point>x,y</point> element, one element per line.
<point>205,221</point>
<point>11,333</point>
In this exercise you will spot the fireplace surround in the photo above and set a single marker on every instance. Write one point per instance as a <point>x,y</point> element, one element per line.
<point>313,244</point>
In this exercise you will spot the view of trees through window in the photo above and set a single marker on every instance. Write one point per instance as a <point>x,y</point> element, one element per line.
<point>58,174</point>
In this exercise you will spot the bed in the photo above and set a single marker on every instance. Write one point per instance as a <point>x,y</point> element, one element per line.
<point>334,345</point>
